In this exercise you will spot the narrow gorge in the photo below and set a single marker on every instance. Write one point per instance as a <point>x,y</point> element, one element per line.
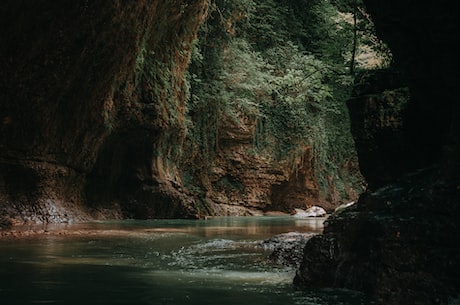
<point>102,119</point>
<point>190,109</point>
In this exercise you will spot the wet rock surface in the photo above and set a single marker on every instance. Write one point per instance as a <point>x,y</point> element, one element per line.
<point>394,244</point>
<point>313,211</point>
<point>397,242</point>
<point>287,248</point>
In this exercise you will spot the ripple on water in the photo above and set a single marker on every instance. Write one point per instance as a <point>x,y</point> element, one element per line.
<point>222,253</point>
<point>215,275</point>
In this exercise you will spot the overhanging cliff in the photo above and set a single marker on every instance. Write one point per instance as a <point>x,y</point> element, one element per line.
<point>79,119</point>
<point>97,118</point>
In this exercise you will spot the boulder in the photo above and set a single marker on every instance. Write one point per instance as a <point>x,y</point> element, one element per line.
<point>314,211</point>
<point>287,247</point>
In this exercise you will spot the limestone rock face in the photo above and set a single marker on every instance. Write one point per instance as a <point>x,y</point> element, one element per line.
<point>396,242</point>
<point>246,182</point>
<point>93,121</point>
<point>256,181</point>
<point>79,122</point>
<point>377,111</point>
<point>423,44</point>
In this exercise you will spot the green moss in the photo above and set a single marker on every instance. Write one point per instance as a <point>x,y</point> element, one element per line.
<point>249,64</point>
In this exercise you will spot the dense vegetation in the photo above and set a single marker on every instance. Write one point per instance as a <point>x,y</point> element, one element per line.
<point>288,68</point>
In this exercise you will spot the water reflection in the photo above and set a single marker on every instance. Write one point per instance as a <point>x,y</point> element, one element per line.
<point>315,225</point>
<point>214,261</point>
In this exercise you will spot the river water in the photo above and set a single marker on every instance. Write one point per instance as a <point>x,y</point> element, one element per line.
<point>220,261</point>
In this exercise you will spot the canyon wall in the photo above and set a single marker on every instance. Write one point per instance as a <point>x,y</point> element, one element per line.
<point>95,123</point>
<point>244,181</point>
<point>396,243</point>
<point>269,127</point>
<point>87,111</point>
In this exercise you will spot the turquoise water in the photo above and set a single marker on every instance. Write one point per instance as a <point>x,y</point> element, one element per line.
<point>217,261</point>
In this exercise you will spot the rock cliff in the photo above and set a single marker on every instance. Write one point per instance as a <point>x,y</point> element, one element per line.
<point>243,179</point>
<point>93,122</point>
<point>396,243</point>
<point>86,107</point>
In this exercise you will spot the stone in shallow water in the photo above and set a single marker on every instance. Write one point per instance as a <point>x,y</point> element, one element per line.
<point>287,247</point>
<point>314,211</point>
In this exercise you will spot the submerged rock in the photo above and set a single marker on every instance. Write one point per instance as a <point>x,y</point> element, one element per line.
<point>287,247</point>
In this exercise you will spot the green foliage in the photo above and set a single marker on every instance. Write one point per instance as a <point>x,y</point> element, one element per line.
<point>297,94</point>
<point>284,64</point>
<point>246,77</point>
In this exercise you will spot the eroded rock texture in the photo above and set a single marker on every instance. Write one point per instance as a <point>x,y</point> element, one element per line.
<point>252,182</point>
<point>80,114</point>
<point>93,122</point>
<point>397,243</point>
